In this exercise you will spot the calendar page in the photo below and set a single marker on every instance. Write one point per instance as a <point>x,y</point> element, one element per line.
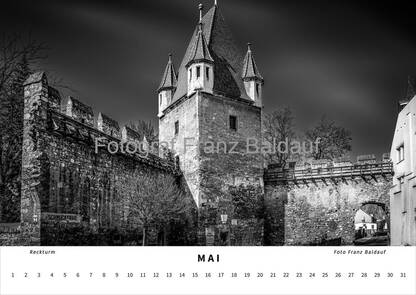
<point>212,147</point>
<point>331,270</point>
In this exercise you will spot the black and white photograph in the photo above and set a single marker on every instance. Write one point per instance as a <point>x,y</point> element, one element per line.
<point>163,125</point>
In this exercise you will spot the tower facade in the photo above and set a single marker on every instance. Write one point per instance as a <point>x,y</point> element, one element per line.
<point>213,124</point>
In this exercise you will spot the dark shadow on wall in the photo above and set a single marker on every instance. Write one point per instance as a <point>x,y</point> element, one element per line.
<point>274,221</point>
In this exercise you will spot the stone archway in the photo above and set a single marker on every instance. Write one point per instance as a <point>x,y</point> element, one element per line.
<point>318,213</point>
<point>371,224</point>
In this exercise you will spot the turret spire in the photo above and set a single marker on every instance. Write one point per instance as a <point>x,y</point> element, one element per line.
<point>253,81</point>
<point>200,48</point>
<point>250,70</point>
<point>200,63</point>
<point>167,86</point>
<point>169,79</point>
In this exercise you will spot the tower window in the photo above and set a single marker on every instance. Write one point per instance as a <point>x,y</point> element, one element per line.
<point>207,73</point>
<point>233,123</point>
<point>198,72</point>
<point>257,89</point>
<point>176,127</point>
<point>160,99</point>
<point>190,75</point>
<point>400,153</point>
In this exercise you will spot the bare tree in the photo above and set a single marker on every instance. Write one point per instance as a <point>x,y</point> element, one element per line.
<point>17,54</point>
<point>335,141</point>
<point>279,127</point>
<point>158,200</point>
<point>145,129</point>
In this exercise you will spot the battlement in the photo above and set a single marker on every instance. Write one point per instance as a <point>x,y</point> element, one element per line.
<point>366,168</point>
<point>128,134</point>
<point>108,125</point>
<point>79,111</point>
<point>75,121</point>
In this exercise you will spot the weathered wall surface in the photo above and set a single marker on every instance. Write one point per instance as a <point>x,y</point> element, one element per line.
<point>235,164</point>
<point>229,164</point>
<point>10,234</point>
<point>308,213</point>
<point>186,114</point>
<point>63,175</point>
<point>212,165</point>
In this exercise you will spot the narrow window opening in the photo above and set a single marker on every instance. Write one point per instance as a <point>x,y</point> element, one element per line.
<point>190,75</point>
<point>207,73</point>
<point>198,72</point>
<point>176,127</point>
<point>233,123</point>
<point>400,153</point>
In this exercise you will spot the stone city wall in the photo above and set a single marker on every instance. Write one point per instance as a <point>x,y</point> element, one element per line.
<point>64,179</point>
<point>313,207</point>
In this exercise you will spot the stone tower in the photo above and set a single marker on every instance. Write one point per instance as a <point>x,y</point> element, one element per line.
<point>216,109</point>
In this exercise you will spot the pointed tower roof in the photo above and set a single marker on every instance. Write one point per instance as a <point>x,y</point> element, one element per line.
<point>250,70</point>
<point>227,57</point>
<point>169,79</point>
<point>200,51</point>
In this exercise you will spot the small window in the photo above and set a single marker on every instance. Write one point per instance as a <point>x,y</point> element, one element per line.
<point>400,153</point>
<point>207,73</point>
<point>190,75</point>
<point>198,72</point>
<point>257,89</point>
<point>176,127</point>
<point>160,99</point>
<point>233,123</point>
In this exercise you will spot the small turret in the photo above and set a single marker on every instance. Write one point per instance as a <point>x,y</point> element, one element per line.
<point>200,67</point>
<point>167,86</point>
<point>253,81</point>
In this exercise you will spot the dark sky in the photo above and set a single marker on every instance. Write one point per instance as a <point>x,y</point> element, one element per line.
<point>347,59</point>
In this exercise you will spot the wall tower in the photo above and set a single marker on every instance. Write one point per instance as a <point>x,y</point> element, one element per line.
<point>212,115</point>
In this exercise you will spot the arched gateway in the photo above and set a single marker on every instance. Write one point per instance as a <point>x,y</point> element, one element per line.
<point>318,206</point>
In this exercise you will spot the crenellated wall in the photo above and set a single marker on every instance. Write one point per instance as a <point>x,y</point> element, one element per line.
<point>317,202</point>
<point>65,180</point>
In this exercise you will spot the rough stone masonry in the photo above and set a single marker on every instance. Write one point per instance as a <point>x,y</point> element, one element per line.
<point>64,179</point>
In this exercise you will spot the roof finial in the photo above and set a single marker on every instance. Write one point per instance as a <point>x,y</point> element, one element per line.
<point>201,8</point>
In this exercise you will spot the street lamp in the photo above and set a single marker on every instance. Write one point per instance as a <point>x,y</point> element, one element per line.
<point>224,218</point>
